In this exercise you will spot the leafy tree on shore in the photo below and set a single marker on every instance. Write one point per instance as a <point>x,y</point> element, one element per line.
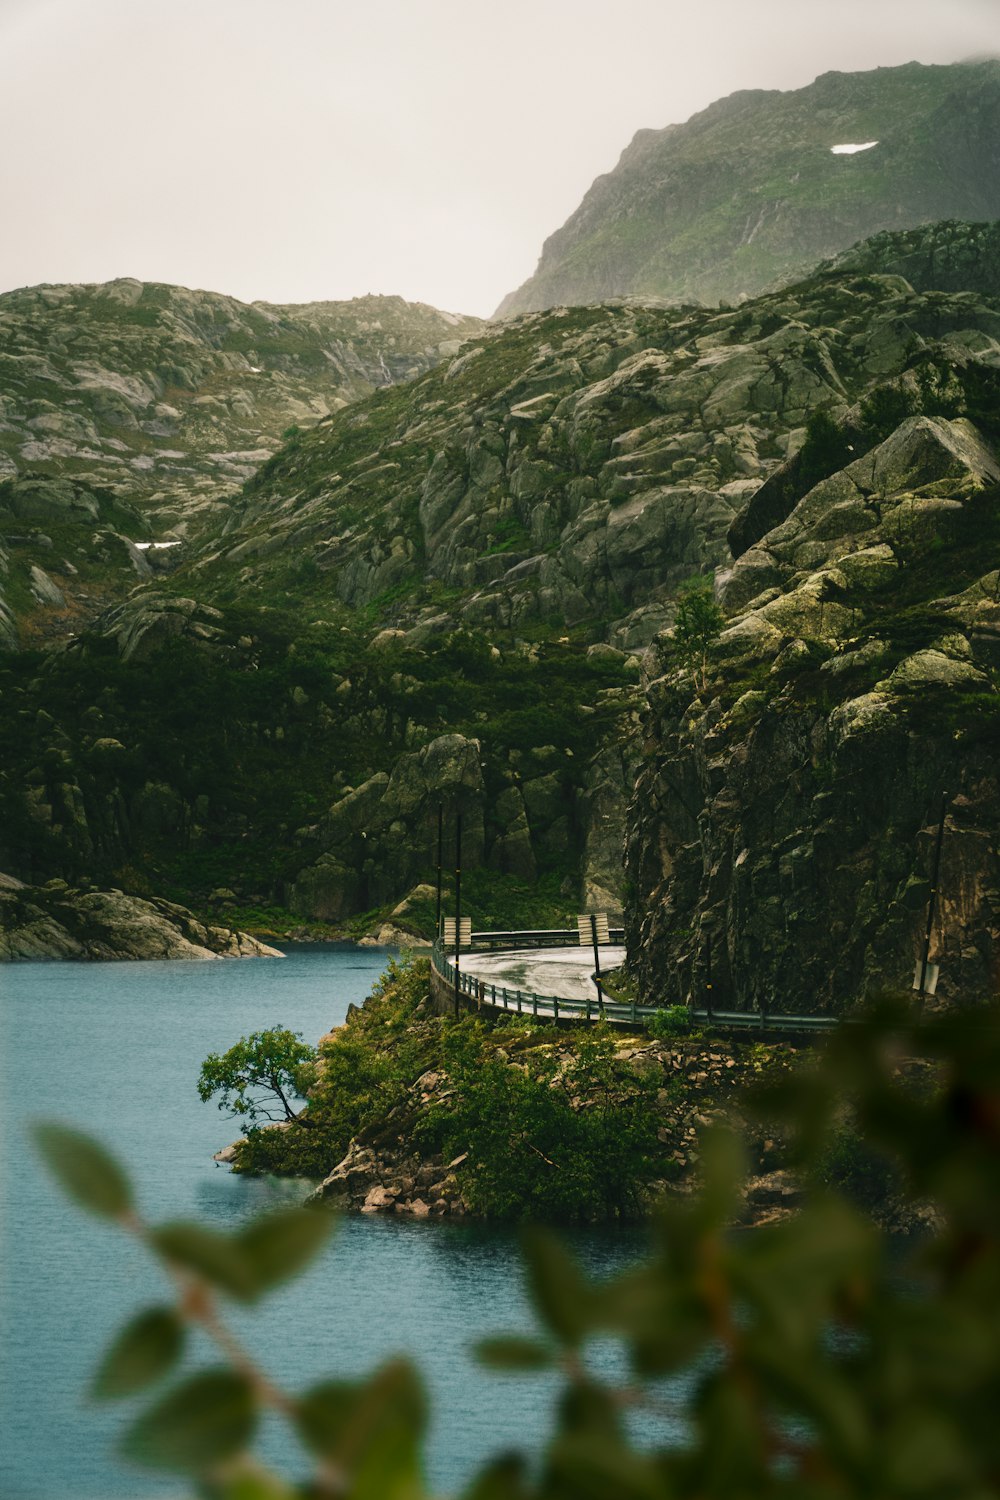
<point>259,1077</point>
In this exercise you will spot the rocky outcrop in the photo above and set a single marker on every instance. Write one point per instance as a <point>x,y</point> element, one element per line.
<point>783,832</point>
<point>56,921</point>
<point>945,257</point>
<point>132,413</point>
<point>379,839</point>
<point>172,398</point>
<point>385,1171</point>
<point>750,193</point>
<point>587,462</point>
<point>66,550</point>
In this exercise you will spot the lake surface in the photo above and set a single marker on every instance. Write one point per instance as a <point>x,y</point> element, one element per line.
<point>116,1049</point>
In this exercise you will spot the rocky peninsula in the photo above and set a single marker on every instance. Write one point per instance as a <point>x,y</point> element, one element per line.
<point>56,921</point>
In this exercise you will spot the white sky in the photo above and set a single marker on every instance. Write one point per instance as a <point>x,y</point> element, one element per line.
<point>304,149</point>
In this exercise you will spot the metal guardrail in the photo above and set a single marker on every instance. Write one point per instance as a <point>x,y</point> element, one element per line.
<point>528,1003</point>
<point>557,1008</point>
<point>542,937</point>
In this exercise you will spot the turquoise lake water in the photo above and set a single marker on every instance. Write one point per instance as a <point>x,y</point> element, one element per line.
<point>116,1049</point>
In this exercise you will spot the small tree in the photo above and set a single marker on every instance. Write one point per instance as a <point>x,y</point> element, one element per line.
<point>258,1076</point>
<point>697,626</point>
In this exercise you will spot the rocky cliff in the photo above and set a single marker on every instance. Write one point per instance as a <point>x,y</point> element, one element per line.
<point>750,192</point>
<point>784,826</point>
<point>57,921</point>
<point>571,470</point>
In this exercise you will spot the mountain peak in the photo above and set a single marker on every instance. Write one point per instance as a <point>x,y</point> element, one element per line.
<point>752,191</point>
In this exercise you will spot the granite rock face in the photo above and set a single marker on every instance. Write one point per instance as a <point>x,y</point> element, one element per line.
<point>56,921</point>
<point>139,410</point>
<point>749,193</point>
<point>585,462</point>
<point>783,830</point>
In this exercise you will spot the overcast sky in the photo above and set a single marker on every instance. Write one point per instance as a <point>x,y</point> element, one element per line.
<point>303,149</point>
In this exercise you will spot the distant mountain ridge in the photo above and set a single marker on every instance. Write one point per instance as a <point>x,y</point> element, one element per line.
<point>748,193</point>
<point>171,398</point>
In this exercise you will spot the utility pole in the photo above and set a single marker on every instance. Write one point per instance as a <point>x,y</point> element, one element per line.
<point>597,961</point>
<point>458,905</point>
<point>932,904</point>
<point>437,919</point>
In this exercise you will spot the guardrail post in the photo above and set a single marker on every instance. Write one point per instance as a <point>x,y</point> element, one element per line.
<point>534,1005</point>
<point>588,1007</point>
<point>555,1007</point>
<point>519,1002</point>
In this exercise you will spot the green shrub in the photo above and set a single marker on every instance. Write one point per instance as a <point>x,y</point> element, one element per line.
<point>672,1022</point>
<point>546,1140</point>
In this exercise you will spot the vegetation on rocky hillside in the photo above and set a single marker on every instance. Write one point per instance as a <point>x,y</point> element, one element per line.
<point>276,766</point>
<point>444,594</point>
<point>747,193</point>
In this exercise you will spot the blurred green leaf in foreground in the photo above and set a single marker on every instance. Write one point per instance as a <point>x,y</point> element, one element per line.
<point>827,1360</point>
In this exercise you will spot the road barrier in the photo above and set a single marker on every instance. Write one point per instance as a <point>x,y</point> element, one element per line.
<point>543,937</point>
<point>484,994</point>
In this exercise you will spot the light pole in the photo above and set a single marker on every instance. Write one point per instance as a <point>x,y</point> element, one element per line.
<point>437,918</point>
<point>458,904</point>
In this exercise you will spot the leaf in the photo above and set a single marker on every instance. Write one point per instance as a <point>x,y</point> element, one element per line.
<point>505,1478</point>
<point>143,1351</point>
<point>557,1286</point>
<point>370,1431</point>
<point>250,1482</point>
<point>590,1467</point>
<point>219,1258</point>
<point>513,1353</point>
<point>208,1419</point>
<point>723,1164</point>
<point>323,1413</point>
<point>84,1169</point>
<point>279,1245</point>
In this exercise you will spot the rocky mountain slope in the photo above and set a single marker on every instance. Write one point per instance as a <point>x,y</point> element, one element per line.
<point>569,471</point>
<point>749,193</point>
<point>151,405</point>
<point>440,595</point>
<point>783,828</point>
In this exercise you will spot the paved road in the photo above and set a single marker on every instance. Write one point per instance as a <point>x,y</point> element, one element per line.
<point>564,972</point>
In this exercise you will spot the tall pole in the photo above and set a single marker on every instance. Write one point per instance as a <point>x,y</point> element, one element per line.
<point>932,904</point>
<point>597,962</point>
<point>437,919</point>
<point>458,903</point>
